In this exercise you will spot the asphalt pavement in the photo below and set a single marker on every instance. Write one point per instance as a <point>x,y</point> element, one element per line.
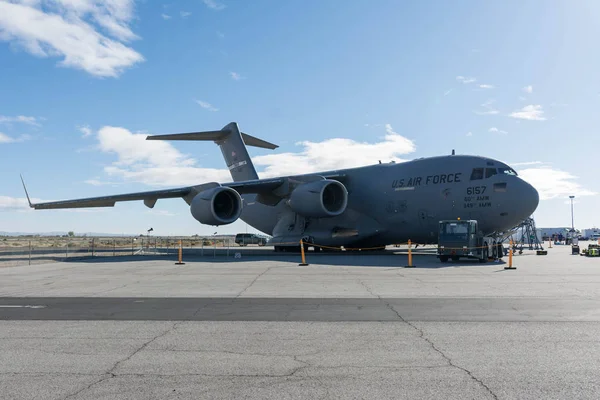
<point>344,327</point>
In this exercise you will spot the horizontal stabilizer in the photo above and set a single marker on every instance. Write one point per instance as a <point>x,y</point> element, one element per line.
<point>256,142</point>
<point>215,136</point>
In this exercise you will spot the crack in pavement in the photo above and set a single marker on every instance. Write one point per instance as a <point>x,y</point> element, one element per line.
<point>110,372</point>
<point>317,378</point>
<point>115,288</point>
<point>448,359</point>
<point>429,341</point>
<point>254,280</point>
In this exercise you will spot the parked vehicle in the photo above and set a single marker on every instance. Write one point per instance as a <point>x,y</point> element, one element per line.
<point>244,239</point>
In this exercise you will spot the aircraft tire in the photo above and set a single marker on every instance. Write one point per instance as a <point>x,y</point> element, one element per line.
<point>500,250</point>
<point>444,259</point>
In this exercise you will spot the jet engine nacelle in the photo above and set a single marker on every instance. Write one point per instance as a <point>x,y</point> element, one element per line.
<point>319,199</point>
<point>217,206</point>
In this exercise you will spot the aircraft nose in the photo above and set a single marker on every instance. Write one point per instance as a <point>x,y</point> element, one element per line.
<point>529,197</point>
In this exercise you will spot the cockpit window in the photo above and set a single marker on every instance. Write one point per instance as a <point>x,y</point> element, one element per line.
<point>477,174</point>
<point>490,172</point>
<point>507,171</point>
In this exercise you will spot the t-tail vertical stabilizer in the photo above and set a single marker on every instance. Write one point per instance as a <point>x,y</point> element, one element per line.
<point>233,146</point>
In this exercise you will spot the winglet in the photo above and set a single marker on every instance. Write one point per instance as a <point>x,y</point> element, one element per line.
<point>26,194</point>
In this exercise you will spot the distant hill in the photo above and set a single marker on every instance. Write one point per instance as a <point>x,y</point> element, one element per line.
<point>97,234</point>
<point>62,234</point>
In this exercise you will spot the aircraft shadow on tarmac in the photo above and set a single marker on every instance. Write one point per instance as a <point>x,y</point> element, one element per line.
<point>348,260</point>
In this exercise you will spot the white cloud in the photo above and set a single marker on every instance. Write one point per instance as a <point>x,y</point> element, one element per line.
<point>528,89</point>
<point>447,92</point>
<point>165,16</point>
<point>469,133</point>
<point>489,109</point>
<point>465,79</point>
<point>158,163</point>
<point>152,162</point>
<point>496,130</point>
<point>206,105</point>
<point>85,130</point>
<point>526,163</point>
<point>553,183</point>
<point>235,76</point>
<point>530,112</point>
<point>96,182</point>
<point>13,204</point>
<point>185,14</point>
<point>336,153</point>
<point>4,138</point>
<point>221,35</point>
<point>134,148</point>
<point>486,86</point>
<point>213,5</point>
<point>71,29</point>
<point>19,118</point>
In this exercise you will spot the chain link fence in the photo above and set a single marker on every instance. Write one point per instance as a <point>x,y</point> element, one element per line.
<point>40,249</point>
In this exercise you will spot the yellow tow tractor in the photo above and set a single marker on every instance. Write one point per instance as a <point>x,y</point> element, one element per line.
<point>593,250</point>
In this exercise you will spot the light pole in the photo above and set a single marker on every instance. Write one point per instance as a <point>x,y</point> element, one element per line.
<point>572,220</point>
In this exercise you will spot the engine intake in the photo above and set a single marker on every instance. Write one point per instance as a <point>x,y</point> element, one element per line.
<point>217,206</point>
<point>319,199</point>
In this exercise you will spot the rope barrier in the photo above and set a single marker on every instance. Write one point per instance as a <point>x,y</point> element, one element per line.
<point>304,245</point>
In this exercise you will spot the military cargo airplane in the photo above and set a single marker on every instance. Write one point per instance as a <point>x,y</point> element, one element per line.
<point>364,207</point>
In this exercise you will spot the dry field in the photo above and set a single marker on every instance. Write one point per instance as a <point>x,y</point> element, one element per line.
<point>24,250</point>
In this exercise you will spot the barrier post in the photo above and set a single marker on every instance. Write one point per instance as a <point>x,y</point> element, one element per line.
<point>303,263</point>
<point>410,263</point>
<point>30,252</point>
<point>550,243</point>
<point>180,255</point>
<point>510,256</point>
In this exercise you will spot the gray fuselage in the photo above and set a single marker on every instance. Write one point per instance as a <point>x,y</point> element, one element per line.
<point>394,202</point>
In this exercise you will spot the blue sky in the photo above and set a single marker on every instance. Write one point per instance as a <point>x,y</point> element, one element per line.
<point>333,83</point>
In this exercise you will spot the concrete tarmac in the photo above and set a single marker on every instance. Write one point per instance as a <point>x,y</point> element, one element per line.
<point>343,327</point>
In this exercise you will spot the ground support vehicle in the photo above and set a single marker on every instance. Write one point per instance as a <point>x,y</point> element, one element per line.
<point>463,239</point>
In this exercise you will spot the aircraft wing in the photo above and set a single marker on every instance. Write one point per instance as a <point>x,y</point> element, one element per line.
<point>259,186</point>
